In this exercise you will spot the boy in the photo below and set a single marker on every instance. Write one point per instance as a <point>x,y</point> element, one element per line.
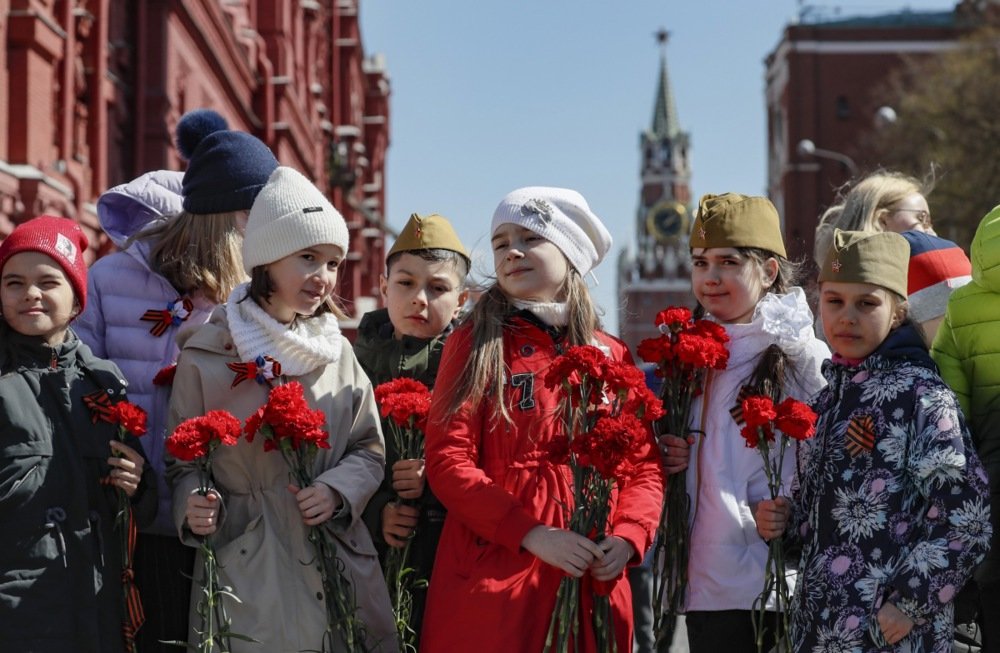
<point>424,291</point>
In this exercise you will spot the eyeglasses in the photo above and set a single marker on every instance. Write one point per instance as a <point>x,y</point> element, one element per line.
<point>923,217</point>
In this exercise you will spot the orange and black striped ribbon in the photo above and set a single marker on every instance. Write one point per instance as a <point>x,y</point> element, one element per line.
<point>737,410</point>
<point>99,404</point>
<point>163,318</point>
<point>860,435</point>
<point>134,615</point>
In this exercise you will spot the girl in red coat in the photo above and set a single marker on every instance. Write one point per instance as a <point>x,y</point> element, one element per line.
<point>505,546</point>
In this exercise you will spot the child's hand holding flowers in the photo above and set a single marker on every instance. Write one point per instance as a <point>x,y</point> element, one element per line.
<point>317,502</point>
<point>408,478</point>
<point>772,517</point>
<point>202,512</point>
<point>126,467</point>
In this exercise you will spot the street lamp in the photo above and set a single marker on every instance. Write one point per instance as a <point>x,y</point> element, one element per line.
<point>807,148</point>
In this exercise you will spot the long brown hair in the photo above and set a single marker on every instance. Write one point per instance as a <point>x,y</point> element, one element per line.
<point>484,371</point>
<point>774,367</point>
<point>198,253</point>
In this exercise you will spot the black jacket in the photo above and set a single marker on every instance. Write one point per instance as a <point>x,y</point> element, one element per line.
<point>60,554</point>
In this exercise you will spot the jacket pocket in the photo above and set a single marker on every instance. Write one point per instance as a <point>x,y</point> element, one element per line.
<point>244,547</point>
<point>25,471</point>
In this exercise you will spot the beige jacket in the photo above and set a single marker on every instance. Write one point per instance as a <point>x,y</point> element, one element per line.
<point>261,544</point>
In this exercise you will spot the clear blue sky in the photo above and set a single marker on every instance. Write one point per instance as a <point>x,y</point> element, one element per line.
<point>491,95</point>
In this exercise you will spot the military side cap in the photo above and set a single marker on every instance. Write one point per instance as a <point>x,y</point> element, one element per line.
<point>428,232</point>
<point>879,258</point>
<point>734,220</point>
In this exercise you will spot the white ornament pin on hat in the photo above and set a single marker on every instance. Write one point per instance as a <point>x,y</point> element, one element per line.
<point>539,207</point>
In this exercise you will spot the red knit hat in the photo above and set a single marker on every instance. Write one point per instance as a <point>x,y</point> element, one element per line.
<point>61,239</point>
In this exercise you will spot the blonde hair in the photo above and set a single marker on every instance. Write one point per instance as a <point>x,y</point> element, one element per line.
<point>198,252</point>
<point>863,206</point>
<point>484,373</point>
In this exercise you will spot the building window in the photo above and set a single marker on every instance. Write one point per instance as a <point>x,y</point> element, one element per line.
<point>843,108</point>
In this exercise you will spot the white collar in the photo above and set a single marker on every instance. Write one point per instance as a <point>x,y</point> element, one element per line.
<point>554,314</point>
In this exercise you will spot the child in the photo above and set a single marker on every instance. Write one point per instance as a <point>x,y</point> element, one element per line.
<point>890,498</point>
<point>505,546</point>
<point>295,242</point>
<point>882,201</point>
<point>965,349</point>
<point>181,237</point>
<point>424,290</point>
<point>743,280</point>
<point>60,553</point>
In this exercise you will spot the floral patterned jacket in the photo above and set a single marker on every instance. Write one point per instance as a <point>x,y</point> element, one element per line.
<point>891,504</point>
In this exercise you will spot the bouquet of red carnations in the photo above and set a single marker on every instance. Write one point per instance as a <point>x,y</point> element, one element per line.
<point>606,411</point>
<point>290,427</point>
<point>194,441</point>
<point>763,420</point>
<point>684,354</point>
<point>130,419</point>
<point>405,403</point>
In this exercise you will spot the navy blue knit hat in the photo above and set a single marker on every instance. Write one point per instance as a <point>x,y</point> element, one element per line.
<point>226,168</point>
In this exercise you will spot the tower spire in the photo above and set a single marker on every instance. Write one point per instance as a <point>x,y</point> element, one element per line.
<point>665,122</point>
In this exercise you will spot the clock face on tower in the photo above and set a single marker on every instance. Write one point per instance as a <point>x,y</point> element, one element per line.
<point>667,221</point>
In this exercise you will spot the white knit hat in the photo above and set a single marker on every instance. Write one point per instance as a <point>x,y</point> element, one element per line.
<point>562,217</point>
<point>290,214</point>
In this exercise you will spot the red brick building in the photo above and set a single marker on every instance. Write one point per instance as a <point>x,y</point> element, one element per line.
<point>91,90</point>
<point>821,84</point>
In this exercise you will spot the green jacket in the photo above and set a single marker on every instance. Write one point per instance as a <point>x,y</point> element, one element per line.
<point>60,554</point>
<point>967,351</point>
<point>384,358</point>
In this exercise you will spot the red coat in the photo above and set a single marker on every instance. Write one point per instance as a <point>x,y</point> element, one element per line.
<point>487,592</point>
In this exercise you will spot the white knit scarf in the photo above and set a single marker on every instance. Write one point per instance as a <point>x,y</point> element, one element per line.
<point>300,348</point>
<point>554,314</point>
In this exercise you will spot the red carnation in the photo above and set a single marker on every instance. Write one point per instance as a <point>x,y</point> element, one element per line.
<point>644,404</point>
<point>676,317</point>
<point>402,385</point>
<point>611,444</point>
<point>711,330</point>
<point>199,436</point>
<point>752,435</point>
<point>165,376</point>
<point>621,377</point>
<point>758,410</point>
<point>130,417</point>
<point>287,416</point>
<point>655,350</point>
<point>403,400</point>
<point>578,362</point>
<point>795,419</point>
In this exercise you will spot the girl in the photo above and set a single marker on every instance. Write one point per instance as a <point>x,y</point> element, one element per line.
<point>295,241</point>
<point>882,201</point>
<point>60,465</point>
<point>892,201</point>
<point>181,237</point>
<point>742,279</point>
<point>505,546</point>
<point>891,501</point>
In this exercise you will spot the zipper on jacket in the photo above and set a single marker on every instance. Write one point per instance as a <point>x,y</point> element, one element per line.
<point>54,517</point>
<point>21,480</point>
